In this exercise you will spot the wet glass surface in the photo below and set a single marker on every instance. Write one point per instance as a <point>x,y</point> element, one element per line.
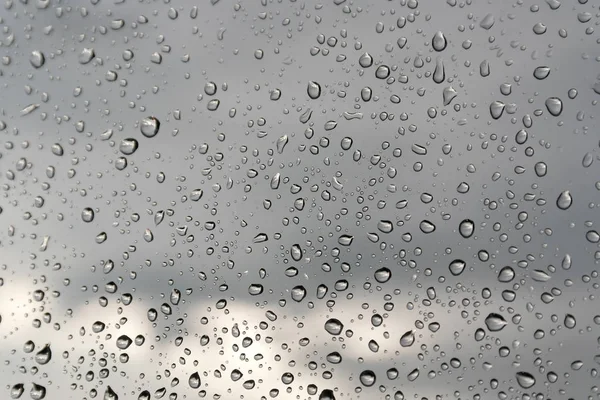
<point>299,200</point>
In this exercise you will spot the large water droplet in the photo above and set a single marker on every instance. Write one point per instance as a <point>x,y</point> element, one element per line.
<point>313,90</point>
<point>16,391</point>
<point>554,106</point>
<point>439,41</point>
<point>457,267</point>
<point>333,326</point>
<point>367,378</point>
<point>407,339</point>
<point>427,226</point>
<point>37,59</point>
<point>149,127</point>
<point>525,379</point>
<point>38,392</point>
<point>466,228</point>
<point>44,356</point>
<point>564,200</point>
<point>365,61</point>
<point>128,146</point>
<point>296,252</point>
<point>298,293</point>
<point>123,342</point>
<point>194,380</point>
<point>495,322</point>
<point>87,214</point>
<point>383,275</point>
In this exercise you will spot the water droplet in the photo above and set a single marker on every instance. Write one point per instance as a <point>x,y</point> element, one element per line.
<point>86,55</point>
<point>457,267</point>
<point>365,61</point>
<point>439,41</point>
<point>128,146</point>
<point>345,240</point>
<point>382,72</point>
<point>506,274</point>
<point>255,289</point>
<point>554,106</point>
<point>194,380</point>
<point>427,226</point>
<point>110,394</point>
<point>149,127</point>
<point>466,228</point>
<point>38,392</point>
<point>44,356</point>
<point>367,378</point>
<point>334,327</point>
<point>123,342</point>
<point>37,59</point>
<point>87,214</point>
<point>525,379</point>
<point>570,321</point>
<point>148,236</point>
<point>541,72</point>
<point>281,143</point>
<point>564,200</point>
<point>495,322</point>
<point>487,22</point>
<point>407,339</point>
<point>298,293</point>
<point>57,149</point>
<point>313,90</point>
<point>16,391</point>
<point>497,109</point>
<point>383,275</point>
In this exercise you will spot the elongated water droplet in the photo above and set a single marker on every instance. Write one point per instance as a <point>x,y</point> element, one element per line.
<point>37,392</point>
<point>17,391</point>
<point>466,228</point>
<point>365,61</point>
<point>439,41</point>
<point>564,200</point>
<point>407,339</point>
<point>313,90</point>
<point>345,240</point>
<point>495,322</point>
<point>506,274</point>
<point>281,143</point>
<point>487,22</point>
<point>427,226</point>
<point>37,59</point>
<point>296,252</point>
<point>194,380</point>
<point>567,262</point>
<point>541,72</point>
<point>554,106</point>
<point>44,356</point>
<point>525,379</point>
<point>457,267</point>
<point>497,109</point>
